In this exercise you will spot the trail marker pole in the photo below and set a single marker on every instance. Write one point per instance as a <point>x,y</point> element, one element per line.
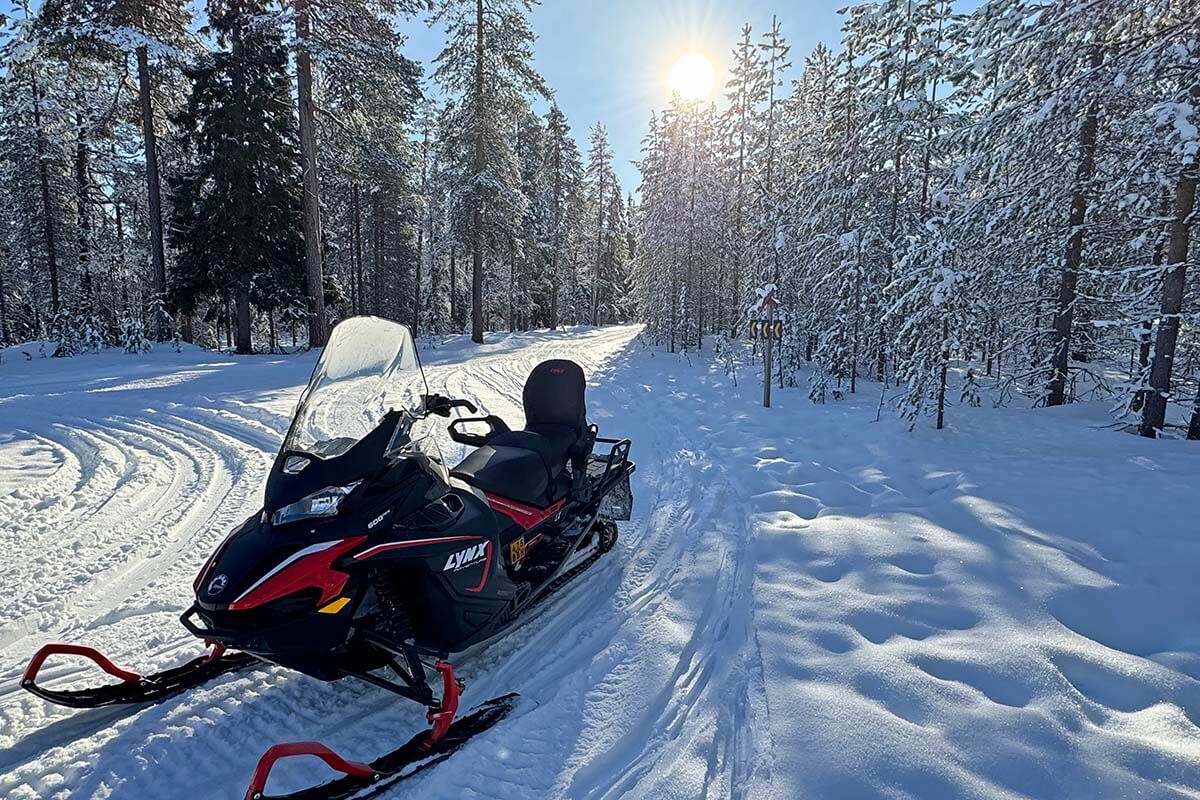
<point>766,330</point>
<point>767,356</point>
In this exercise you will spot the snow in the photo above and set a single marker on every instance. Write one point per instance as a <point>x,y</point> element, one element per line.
<point>805,604</point>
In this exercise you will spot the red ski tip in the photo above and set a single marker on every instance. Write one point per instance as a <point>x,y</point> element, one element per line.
<point>91,653</point>
<point>259,782</point>
<point>441,719</point>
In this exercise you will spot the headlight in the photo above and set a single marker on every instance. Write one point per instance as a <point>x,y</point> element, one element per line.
<point>318,504</point>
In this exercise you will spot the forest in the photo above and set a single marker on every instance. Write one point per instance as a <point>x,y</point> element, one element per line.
<point>957,204</point>
<point>949,200</point>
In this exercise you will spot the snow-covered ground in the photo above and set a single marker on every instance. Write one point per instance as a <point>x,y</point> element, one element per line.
<point>806,604</point>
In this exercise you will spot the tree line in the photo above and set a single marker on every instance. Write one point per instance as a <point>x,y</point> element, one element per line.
<point>949,198</point>
<point>252,170</point>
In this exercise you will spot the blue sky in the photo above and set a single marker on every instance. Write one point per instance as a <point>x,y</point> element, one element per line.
<point>608,60</point>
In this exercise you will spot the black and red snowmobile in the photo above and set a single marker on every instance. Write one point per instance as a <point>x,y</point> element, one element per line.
<point>369,559</point>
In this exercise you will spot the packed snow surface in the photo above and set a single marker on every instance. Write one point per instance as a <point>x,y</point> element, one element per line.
<point>807,603</point>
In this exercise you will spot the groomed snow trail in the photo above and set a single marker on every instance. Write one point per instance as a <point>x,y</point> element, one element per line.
<point>806,603</point>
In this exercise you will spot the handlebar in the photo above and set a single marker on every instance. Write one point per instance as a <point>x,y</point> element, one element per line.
<point>467,404</point>
<point>441,405</point>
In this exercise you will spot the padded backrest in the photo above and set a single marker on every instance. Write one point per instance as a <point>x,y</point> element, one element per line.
<point>554,395</point>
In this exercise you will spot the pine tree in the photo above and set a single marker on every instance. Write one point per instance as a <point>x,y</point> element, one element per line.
<point>602,185</point>
<point>561,181</point>
<point>486,65</point>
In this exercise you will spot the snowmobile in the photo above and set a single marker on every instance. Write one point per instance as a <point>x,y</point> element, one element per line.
<point>369,559</point>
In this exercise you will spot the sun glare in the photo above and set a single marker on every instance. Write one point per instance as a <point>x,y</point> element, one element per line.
<point>693,77</point>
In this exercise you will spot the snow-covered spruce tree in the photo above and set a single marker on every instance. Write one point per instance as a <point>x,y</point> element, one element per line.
<point>616,284</point>
<point>527,241</point>
<point>931,316</point>
<point>486,66</point>
<point>928,298</point>
<point>771,164</point>
<point>824,272</point>
<point>133,336</point>
<point>652,275</point>
<point>236,217</point>
<point>741,132</point>
<point>561,182</point>
<point>601,183</point>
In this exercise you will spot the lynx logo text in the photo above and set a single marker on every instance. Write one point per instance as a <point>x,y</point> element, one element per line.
<point>465,558</point>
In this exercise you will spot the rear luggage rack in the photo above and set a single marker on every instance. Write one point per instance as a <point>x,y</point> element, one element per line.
<point>608,476</point>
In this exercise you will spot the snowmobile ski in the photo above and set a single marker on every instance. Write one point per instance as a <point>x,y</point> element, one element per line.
<point>133,688</point>
<point>365,780</point>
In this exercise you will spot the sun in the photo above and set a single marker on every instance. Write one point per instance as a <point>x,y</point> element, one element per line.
<point>692,76</point>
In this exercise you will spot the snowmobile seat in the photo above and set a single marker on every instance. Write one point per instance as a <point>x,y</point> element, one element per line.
<point>524,465</point>
<point>555,414</point>
<point>517,473</point>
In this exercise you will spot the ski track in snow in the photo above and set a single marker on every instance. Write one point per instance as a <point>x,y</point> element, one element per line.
<point>805,604</point>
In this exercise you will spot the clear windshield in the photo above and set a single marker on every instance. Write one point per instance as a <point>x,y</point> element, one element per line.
<point>368,368</point>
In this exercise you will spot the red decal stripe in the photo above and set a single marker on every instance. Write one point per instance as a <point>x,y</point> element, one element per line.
<point>487,565</point>
<point>310,571</point>
<point>380,548</point>
<point>527,517</point>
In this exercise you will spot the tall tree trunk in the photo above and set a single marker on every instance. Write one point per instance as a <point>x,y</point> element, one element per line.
<point>941,392</point>
<point>599,254</point>
<point>48,228</point>
<point>416,298</point>
<point>691,230</point>
<point>477,168</point>
<point>435,279</point>
<point>557,214</point>
<point>313,269</point>
<point>416,312</point>
<point>454,287</point>
<point>1194,425</point>
<point>356,253</point>
<point>378,281</point>
<point>739,218</point>
<point>4,337</point>
<point>153,191</point>
<point>1145,340</point>
<point>897,181</point>
<point>243,322</point>
<point>1064,314</point>
<point>1154,414</point>
<point>83,217</point>
<point>770,191</point>
<point>512,285</point>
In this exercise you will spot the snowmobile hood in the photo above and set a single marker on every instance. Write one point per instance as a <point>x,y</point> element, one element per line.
<point>258,550</point>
